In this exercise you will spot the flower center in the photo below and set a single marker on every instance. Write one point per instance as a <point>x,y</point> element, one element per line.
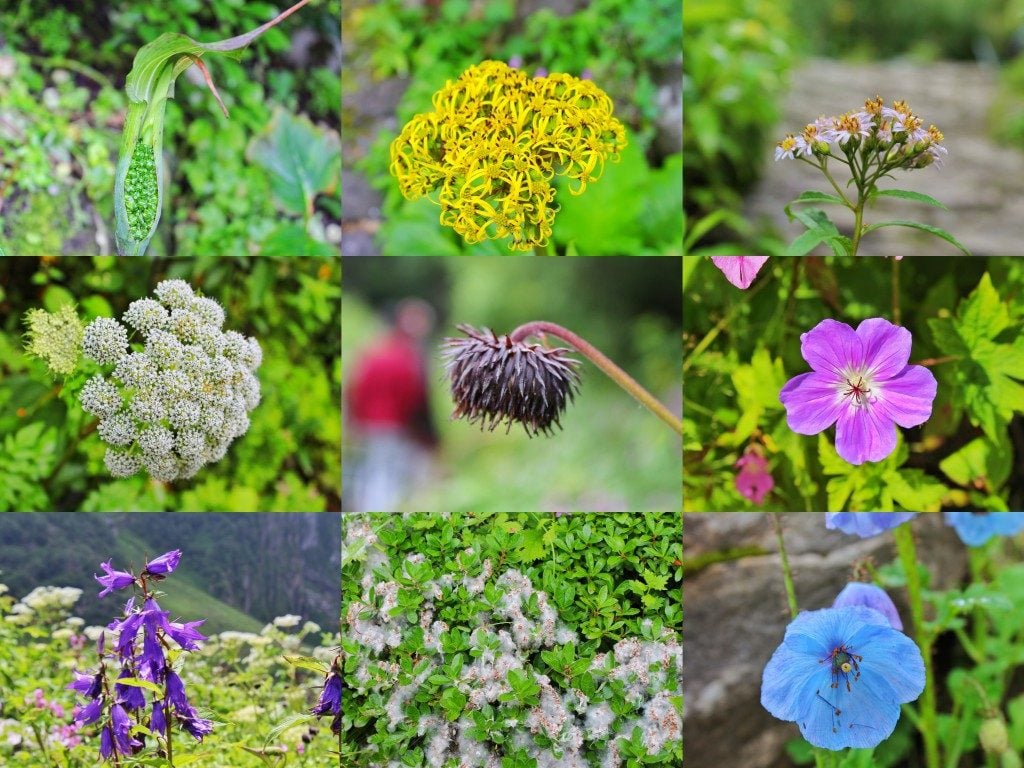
<point>857,389</point>
<point>844,665</point>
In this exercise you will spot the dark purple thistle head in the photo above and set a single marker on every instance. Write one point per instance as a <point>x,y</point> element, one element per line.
<point>495,379</point>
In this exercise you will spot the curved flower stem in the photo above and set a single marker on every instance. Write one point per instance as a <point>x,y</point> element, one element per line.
<point>904,537</point>
<point>598,358</point>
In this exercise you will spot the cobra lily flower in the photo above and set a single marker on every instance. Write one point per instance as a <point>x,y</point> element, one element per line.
<point>975,528</point>
<point>841,674</point>
<point>869,596</point>
<point>862,383</point>
<point>865,524</point>
<point>740,270</point>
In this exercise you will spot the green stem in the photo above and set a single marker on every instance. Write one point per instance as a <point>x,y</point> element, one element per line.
<point>895,291</point>
<point>858,223</point>
<point>542,250</point>
<point>598,358</point>
<point>787,573</point>
<point>904,537</point>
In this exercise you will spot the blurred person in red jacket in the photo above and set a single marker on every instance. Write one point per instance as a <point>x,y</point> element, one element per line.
<point>389,414</point>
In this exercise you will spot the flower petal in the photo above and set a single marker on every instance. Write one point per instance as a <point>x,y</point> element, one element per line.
<point>813,402</point>
<point>789,681</point>
<point>886,347</point>
<point>893,657</point>
<point>862,717</point>
<point>740,270</point>
<point>831,347</point>
<point>907,398</point>
<point>864,434</point>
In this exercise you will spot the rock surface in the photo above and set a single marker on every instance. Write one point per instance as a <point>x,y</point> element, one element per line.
<point>981,182</point>
<point>736,615</point>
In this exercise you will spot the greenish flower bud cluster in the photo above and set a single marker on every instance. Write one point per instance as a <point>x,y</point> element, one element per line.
<point>179,402</point>
<point>56,337</point>
<point>141,193</point>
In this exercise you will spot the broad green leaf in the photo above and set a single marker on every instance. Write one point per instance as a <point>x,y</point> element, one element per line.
<point>293,240</point>
<point>980,463</point>
<point>937,231</point>
<point>654,581</point>
<point>906,194</point>
<point>913,490</point>
<point>303,160</point>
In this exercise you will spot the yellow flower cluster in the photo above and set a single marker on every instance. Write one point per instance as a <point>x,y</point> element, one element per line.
<point>495,141</point>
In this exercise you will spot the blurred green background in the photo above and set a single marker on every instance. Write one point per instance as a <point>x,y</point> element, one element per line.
<point>612,453</point>
<point>233,185</point>
<point>399,53</point>
<point>289,460</point>
<point>740,56</point>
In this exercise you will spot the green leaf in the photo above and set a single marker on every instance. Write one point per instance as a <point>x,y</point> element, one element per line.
<point>906,194</point>
<point>654,581</point>
<point>293,240</point>
<point>937,231</point>
<point>134,682</point>
<point>813,196</point>
<point>453,701</point>
<point>303,160</point>
<point>913,490</point>
<point>980,463</point>
<point>308,662</point>
<point>987,378</point>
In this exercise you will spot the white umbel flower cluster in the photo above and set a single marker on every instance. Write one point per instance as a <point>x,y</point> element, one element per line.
<point>176,403</point>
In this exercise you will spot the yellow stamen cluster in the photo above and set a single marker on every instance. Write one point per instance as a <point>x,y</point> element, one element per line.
<point>495,141</point>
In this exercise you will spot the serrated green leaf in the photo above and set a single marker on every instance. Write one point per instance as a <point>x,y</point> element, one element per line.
<point>980,463</point>
<point>654,581</point>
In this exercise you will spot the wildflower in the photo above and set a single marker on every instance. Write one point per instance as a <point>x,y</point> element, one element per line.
<point>55,337</point>
<point>740,270</point>
<point>495,379</point>
<point>329,702</point>
<point>862,383</point>
<point>114,579</point>
<point>865,524</point>
<point>787,148</point>
<point>975,528</point>
<point>178,404</point>
<point>869,596</point>
<point>164,564</point>
<point>841,675</point>
<point>753,481</point>
<point>494,142</point>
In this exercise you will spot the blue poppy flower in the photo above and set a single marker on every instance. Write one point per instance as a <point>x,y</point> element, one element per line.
<point>865,524</point>
<point>841,674</point>
<point>870,596</point>
<point>975,528</point>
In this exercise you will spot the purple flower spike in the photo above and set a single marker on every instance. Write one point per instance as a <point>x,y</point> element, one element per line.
<point>113,580</point>
<point>176,694</point>
<point>862,383</point>
<point>740,270</point>
<point>158,724</point>
<point>865,524</point>
<point>122,730</point>
<point>869,596</point>
<point>164,564</point>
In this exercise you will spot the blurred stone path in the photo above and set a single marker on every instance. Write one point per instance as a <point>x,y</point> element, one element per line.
<point>980,182</point>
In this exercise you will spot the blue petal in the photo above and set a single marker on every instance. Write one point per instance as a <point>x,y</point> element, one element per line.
<point>789,681</point>
<point>892,657</point>
<point>867,715</point>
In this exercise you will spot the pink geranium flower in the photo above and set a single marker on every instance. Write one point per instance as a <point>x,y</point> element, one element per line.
<point>740,270</point>
<point>862,383</point>
<point>753,480</point>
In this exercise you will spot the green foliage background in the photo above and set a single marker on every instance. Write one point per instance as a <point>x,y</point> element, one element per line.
<point>289,459</point>
<point>605,575</point>
<point>613,454</point>
<point>232,182</point>
<point>740,348</point>
<point>633,209</point>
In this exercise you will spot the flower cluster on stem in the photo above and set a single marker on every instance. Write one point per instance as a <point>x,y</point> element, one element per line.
<point>121,693</point>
